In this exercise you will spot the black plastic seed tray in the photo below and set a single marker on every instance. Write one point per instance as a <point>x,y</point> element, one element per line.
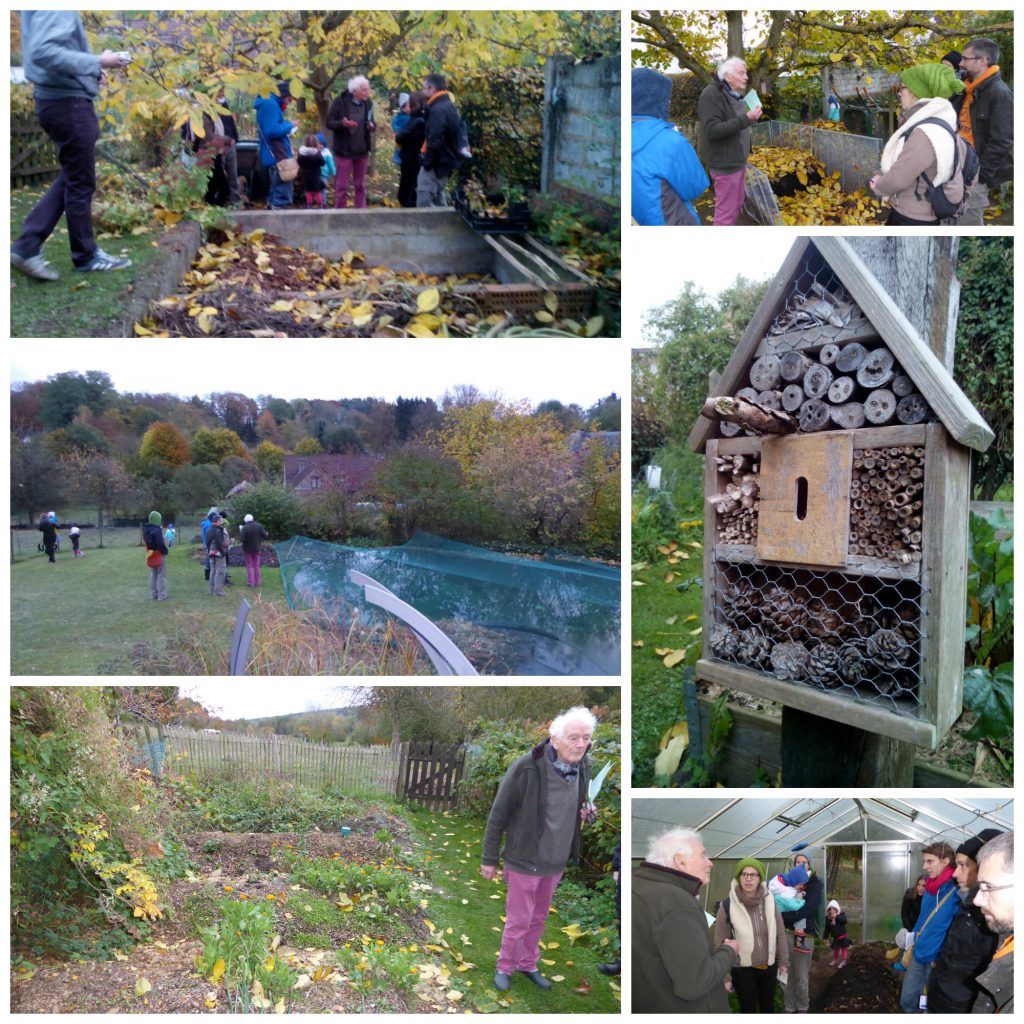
<point>515,222</point>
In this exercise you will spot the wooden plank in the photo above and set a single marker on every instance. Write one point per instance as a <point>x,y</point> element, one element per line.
<point>711,477</point>
<point>743,354</point>
<point>942,393</point>
<point>822,463</point>
<point>944,576</point>
<point>857,565</point>
<point>812,340</point>
<point>871,717</point>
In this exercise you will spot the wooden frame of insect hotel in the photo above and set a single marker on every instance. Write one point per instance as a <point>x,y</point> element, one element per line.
<point>837,481</point>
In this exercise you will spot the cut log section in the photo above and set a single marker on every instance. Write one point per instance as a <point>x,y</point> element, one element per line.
<point>764,374</point>
<point>793,397</point>
<point>850,357</point>
<point>901,385</point>
<point>849,416</point>
<point>827,355</point>
<point>912,409</point>
<point>793,366</point>
<point>814,415</point>
<point>880,407</point>
<point>817,380</point>
<point>876,370</point>
<point>748,394</point>
<point>840,390</point>
<point>770,399</point>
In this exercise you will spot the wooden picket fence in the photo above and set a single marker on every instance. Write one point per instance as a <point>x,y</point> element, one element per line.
<point>363,770</point>
<point>33,153</point>
<point>425,772</point>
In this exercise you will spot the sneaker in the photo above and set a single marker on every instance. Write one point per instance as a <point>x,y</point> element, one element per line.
<point>104,261</point>
<point>34,266</point>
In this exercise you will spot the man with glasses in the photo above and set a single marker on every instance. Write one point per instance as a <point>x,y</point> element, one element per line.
<point>995,899</point>
<point>985,112</point>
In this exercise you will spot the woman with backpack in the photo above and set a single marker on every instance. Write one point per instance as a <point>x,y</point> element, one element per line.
<point>924,162</point>
<point>749,915</point>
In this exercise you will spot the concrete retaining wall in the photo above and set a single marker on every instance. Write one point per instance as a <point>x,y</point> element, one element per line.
<point>434,241</point>
<point>582,128</point>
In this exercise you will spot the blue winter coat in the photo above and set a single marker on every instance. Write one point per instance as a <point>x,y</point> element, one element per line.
<point>274,130</point>
<point>667,175</point>
<point>928,942</point>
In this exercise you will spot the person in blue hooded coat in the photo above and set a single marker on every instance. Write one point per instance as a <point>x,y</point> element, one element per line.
<point>667,174</point>
<point>274,129</point>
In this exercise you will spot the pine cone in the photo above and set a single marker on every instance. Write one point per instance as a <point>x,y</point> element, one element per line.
<point>823,665</point>
<point>789,661</point>
<point>888,649</point>
<point>783,615</point>
<point>754,647</point>
<point>851,664</point>
<point>739,603</point>
<point>822,619</point>
<point>723,641</point>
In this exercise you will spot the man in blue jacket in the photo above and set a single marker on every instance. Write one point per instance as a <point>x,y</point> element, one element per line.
<point>66,76</point>
<point>274,130</point>
<point>667,175</point>
<point>939,906</point>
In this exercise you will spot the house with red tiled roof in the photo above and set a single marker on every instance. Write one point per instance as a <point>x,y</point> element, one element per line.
<point>308,474</point>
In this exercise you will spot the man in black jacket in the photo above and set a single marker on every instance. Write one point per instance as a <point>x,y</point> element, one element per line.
<point>539,808</point>
<point>441,148</point>
<point>969,944</point>
<point>253,535</point>
<point>985,112</point>
<point>797,993</point>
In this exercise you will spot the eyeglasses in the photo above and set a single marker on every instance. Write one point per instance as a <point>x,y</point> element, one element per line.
<point>965,57</point>
<point>986,888</point>
<point>750,874</point>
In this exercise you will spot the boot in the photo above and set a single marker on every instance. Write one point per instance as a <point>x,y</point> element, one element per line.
<point>206,573</point>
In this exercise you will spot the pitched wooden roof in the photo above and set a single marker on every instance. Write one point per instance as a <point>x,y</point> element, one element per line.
<point>952,407</point>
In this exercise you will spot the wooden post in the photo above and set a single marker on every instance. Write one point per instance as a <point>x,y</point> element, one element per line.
<point>919,273</point>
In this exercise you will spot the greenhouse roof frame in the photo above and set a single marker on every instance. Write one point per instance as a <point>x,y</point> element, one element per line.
<point>769,828</point>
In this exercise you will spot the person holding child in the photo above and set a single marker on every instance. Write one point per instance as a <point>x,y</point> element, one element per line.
<point>750,915</point>
<point>311,163</point>
<point>789,897</point>
<point>804,925</point>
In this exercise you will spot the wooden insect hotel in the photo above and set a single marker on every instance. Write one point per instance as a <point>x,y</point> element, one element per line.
<point>837,480</point>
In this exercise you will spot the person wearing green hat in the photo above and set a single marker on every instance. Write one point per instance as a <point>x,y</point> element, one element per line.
<point>924,150</point>
<point>749,915</point>
<point>156,553</point>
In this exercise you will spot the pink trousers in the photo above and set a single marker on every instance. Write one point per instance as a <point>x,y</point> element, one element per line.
<point>728,196</point>
<point>526,910</point>
<point>354,167</point>
<point>252,569</point>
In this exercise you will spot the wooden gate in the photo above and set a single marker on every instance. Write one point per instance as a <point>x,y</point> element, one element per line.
<point>33,153</point>
<point>431,773</point>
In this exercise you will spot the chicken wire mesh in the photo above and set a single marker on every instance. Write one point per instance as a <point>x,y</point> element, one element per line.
<point>859,636</point>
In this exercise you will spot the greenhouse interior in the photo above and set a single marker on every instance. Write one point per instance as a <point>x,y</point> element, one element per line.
<point>868,848</point>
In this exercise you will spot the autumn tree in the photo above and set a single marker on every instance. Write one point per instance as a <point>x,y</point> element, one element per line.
<point>66,393</point>
<point>308,446</point>
<point>37,481</point>
<point>379,430</point>
<point>269,459</point>
<point>101,481</point>
<point>213,445</point>
<point>163,448</point>
<point>237,412</point>
<point>195,487</point>
<point>267,428</point>
<point>76,438</point>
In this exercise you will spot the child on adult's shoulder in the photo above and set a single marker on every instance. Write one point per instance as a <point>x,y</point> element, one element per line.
<point>311,163</point>
<point>835,929</point>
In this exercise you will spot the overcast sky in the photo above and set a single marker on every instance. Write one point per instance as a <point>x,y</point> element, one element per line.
<point>571,371</point>
<point>662,260</point>
<point>251,699</point>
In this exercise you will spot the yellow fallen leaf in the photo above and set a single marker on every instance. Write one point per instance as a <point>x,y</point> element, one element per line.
<point>543,316</point>
<point>673,659</point>
<point>548,963</point>
<point>204,322</point>
<point>453,995</point>
<point>142,986</point>
<point>551,301</point>
<point>552,945</point>
<point>218,970</point>
<point>638,643</point>
<point>671,620</point>
<point>282,306</point>
<point>419,331</point>
<point>558,977</point>
<point>594,325</point>
<point>668,760</point>
<point>304,980</point>
<point>428,299</point>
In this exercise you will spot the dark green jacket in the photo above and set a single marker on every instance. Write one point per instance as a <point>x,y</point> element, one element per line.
<point>518,812</point>
<point>724,129</point>
<point>992,127</point>
<point>676,968</point>
<point>996,987</point>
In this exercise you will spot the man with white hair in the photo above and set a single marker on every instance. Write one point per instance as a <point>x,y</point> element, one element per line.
<point>540,808</point>
<point>995,898</point>
<point>725,136</point>
<point>676,966</point>
<point>351,119</point>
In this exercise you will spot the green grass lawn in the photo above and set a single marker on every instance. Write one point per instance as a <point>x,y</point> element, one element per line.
<point>78,305</point>
<point>73,617</point>
<point>466,907</point>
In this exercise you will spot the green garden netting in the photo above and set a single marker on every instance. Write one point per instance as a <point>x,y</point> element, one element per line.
<point>509,615</point>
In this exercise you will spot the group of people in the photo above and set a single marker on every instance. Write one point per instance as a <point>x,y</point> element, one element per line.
<point>216,542</point>
<point>957,950</point>
<point>953,143</point>
<point>429,137</point>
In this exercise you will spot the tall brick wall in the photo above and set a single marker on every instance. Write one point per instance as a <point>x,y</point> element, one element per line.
<point>582,129</point>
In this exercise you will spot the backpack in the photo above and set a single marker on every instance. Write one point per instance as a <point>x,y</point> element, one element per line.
<point>945,208</point>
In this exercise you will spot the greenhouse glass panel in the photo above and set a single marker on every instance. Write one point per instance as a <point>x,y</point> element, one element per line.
<point>891,869</point>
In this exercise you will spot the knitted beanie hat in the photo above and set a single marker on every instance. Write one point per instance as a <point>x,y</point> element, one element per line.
<point>155,518</point>
<point>970,847</point>
<point>928,80</point>
<point>651,93</point>
<point>796,875</point>
<point>954,58</point>
<point>750,862</point>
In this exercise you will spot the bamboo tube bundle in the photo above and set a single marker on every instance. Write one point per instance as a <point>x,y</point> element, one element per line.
<point>886,499</point>
<point>736,506</point>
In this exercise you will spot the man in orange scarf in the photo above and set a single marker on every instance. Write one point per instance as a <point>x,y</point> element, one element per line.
<point>440,153</point>
<point>995,898</point>
<point>985,112</point>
